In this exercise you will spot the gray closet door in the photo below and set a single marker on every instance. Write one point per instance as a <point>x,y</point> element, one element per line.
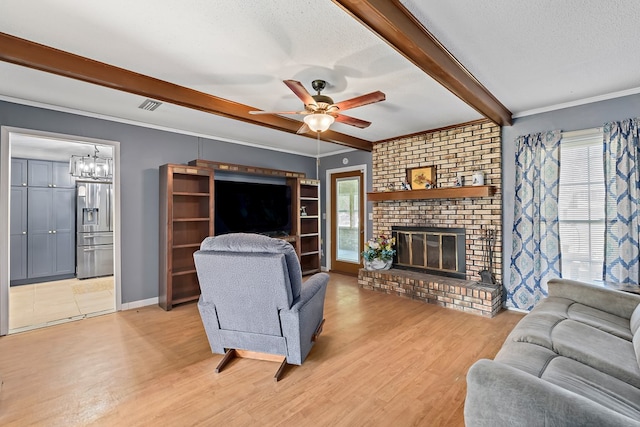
<point>40,246</point>
<point>18,226</point>
<point>40,172</point>
<point>19,172</point>
<point>61,176</point>
<point>64,230</point>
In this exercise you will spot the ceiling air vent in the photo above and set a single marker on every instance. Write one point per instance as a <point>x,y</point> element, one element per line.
<point>150,105</point>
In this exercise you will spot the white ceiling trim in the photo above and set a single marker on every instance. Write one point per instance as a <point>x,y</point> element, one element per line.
<point>156,127</point>
<point>578,102</point>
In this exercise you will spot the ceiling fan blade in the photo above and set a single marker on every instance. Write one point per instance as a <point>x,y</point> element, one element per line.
<point>297,88</point>
<point>278,112</point>
<point>348,120</point>
<point>359,101</point>
<point>303,129</point>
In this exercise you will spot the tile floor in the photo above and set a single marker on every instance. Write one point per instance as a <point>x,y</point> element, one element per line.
<point>43,304</point>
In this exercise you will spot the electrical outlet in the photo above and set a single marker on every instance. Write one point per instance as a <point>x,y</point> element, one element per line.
<point>370,216</point>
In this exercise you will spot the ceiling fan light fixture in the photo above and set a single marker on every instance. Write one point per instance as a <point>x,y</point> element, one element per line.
<point>319,122</point>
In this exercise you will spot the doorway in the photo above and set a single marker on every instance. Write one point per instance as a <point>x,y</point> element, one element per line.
<point>347,221</point>
<point>42,291</point>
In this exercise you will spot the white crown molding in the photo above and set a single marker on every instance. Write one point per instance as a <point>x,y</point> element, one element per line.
<point>578,102</point>
<point>156,127</point>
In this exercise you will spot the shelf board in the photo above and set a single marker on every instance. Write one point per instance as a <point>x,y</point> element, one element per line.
<point>183,271</point>
<point>310,253</point>
<point>315,199</point>
<point>186,193</point>
<point>308,216</point>
<point>190,219</point>
<point>187,245</point>
<point>185,299</point>
<point>434,193</point>
<point>309,235</point>
<point>310,271</point>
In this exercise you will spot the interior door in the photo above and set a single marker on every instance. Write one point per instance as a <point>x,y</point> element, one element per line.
<point>347,221</point>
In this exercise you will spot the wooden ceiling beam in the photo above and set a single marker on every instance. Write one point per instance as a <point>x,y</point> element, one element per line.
<point>44,58</point>
<point>393,23</point>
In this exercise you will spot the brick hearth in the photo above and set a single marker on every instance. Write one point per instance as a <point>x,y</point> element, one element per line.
<point>464,295</point>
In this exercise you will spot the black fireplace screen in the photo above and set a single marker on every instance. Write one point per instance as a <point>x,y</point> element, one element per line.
<point>431,249</point>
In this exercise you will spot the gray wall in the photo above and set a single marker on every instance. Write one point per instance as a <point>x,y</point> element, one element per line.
<point>354,158</point>
<point>143,150</point>
<point>568,119</point>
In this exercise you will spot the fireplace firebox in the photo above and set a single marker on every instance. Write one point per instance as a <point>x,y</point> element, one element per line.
<point>433,250</point>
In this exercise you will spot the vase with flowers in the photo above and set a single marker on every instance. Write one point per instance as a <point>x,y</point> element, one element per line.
<point>378,253</point>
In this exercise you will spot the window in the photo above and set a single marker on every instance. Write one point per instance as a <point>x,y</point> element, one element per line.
<point>581,206</point>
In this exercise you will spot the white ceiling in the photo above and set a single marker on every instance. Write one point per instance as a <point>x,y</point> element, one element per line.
<point>531,55</point>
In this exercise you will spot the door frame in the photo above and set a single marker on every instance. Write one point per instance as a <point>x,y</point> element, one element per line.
<point>362,168</point>
<point>5,190</point>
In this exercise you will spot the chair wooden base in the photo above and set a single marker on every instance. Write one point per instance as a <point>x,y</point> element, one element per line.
<point>232,353</point>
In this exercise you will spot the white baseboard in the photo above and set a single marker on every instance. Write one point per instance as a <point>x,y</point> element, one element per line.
<point>138,304</point>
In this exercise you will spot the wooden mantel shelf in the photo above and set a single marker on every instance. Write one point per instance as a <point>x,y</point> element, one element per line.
<point>435,193</point>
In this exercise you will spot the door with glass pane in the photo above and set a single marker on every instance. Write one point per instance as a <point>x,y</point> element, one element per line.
<point>347,221</point>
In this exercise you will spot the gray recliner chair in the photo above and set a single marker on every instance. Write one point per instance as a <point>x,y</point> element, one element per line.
<point>253,302</point>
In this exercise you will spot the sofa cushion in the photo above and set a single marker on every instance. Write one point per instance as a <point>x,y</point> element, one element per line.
<point>588,382</point>
<point>598,349</point>
<point>527,357</point>
<point>635,320</point>
<point>602,320</point>
<point>535,328</point>
<point>569,309</point>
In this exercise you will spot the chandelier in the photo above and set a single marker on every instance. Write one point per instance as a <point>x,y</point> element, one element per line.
<point>91,166</point>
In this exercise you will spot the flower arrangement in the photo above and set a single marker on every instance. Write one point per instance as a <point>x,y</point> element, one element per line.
<point>380,247</point>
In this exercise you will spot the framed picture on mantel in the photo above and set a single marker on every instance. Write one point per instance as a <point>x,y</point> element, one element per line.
<point>422,177</point>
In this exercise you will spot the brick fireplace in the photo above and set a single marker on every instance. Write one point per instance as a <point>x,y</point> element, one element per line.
<point>456,151</point>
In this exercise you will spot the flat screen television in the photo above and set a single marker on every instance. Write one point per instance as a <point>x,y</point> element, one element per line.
<point>251,207</point>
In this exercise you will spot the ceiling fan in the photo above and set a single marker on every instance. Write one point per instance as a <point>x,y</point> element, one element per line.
<point>320,111</point>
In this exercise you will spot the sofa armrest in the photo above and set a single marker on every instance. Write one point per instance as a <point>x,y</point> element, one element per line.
<point>500,395</point>
<point>300,322</point>
<point>611,301</point>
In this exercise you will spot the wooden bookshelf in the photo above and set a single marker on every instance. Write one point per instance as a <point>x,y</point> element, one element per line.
<point>309,225</point>
<point>186,218</point>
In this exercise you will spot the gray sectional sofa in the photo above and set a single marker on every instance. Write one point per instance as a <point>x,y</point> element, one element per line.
<point>572,361</point>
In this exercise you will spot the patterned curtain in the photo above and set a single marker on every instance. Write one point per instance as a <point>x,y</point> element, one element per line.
<point>536,236</point>
<point>622,181</point>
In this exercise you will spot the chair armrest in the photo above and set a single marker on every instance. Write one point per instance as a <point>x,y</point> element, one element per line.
<point>300,322</point>
<point>310,289</point>
<point>501,395</point>
<point>611,301</point>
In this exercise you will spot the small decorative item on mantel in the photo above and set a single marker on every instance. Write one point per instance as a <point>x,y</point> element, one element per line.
<point>378,253</point>
<point>477,178</point>
<point>458,181</point>
<point>423,177</point>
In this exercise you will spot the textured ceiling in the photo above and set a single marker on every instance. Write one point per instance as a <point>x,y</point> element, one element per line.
<point>539,54</point>
<point>242,51</point>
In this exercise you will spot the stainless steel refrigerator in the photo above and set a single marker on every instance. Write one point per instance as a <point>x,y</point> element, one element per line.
<point>94,229</point>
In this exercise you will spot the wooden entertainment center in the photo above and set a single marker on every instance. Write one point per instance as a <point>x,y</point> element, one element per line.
<point>187,214</point>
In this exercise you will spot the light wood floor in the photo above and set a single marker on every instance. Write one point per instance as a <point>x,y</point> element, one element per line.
<point>382,360</point>
<point>43,304</point>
